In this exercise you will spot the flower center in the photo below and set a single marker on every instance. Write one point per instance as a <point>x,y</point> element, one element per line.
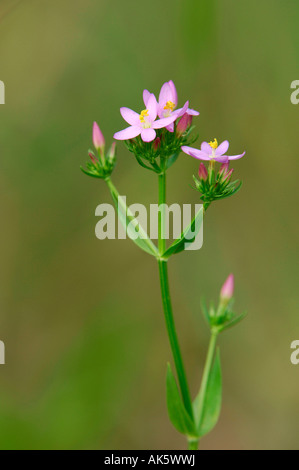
<point>144,119</point>
<point>143,115</point>
<point>169,106</point>
<point>213,144</point>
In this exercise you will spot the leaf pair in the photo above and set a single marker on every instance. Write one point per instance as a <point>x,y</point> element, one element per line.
<point>138,235</point>
<point>206,410</point>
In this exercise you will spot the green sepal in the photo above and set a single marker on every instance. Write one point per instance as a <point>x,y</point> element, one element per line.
<point>176,410</point>
<point>229,324</point>
<point>89,173</point>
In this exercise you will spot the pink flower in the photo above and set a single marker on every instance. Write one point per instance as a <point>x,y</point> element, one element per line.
<point>97,137</point>
<point>144,123</point>
<point>212,151</point>
<point>168,101</point>
<point>227,290</point>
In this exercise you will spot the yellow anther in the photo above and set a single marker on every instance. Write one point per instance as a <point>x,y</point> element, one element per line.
<point>143,114</point>
<point>169,106</point>
<point>214,144</point>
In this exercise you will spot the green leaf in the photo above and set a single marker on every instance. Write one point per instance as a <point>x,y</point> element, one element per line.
<point>188,236</point>
<point>131,224</point>
<point>212,403</point>
<point>176,410</point>
<point>171,160</point>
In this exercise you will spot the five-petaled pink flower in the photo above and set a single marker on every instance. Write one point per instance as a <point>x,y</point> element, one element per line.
<point>212,151</point>
<point>168,101</point>
<point>144,123</point>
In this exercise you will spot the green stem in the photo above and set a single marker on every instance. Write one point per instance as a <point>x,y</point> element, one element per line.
<point>193,445</point>
<point>206,374</point>
<point>170,325</point>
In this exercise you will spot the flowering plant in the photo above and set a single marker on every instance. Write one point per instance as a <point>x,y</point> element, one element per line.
<point>156,136</point>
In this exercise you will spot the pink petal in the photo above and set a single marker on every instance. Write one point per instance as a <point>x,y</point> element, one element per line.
<point>222,148</point>
<point>146,95</point>
<point>165,94</point>
<point>130,116</point>
<point>220,158</point>
<point>128,133</point>
<point>170,128</point>
<point>152,107</point>
<point>174,92</point>
<point>164,122</point>
<point>236,157</point>
<point>206,148</point>
<point>147,135</point>
<point>179,112</point>
<point>195,153</point>
<point>192,112</point>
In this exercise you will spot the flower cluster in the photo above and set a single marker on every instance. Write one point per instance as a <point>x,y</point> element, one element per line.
<point>157,135</point>
<point>159,130</point>
<point>210,183</point>
<point>102,164</point>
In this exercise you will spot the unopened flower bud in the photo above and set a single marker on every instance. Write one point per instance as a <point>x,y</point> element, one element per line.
<point>227,290</point>
<point>98,138</point>
<point>202,172</point>
<point>224,168</point>
<point>157,143</point>
<point>93,158</point>
<point>228,174</point>
<point>183,124</point>
<point>111,153</point>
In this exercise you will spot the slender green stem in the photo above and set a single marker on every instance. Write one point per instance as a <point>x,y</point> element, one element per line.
<point>206,374</point>
<point>161,219</point>
<point>170,325</point>
<point>193,445</point>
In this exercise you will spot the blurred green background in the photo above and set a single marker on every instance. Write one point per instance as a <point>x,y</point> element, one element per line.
<point>86,346</point>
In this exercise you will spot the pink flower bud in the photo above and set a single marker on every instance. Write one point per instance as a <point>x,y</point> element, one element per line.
<point>93,158</point>
<point>224,168</point>
<point>183,124</point>
<point>227,290</point>
<point>228,174</point>
<point>157,143</point>
<point>98,138</point>
<point>111,153</point>
<point>202,172</point>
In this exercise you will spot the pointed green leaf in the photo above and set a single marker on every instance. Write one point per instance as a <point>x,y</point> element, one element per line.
<point>212,403</point>
<point>171,160</point>
<point>176,410</point>
<point>132,226</point>
<point>188,236</point>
